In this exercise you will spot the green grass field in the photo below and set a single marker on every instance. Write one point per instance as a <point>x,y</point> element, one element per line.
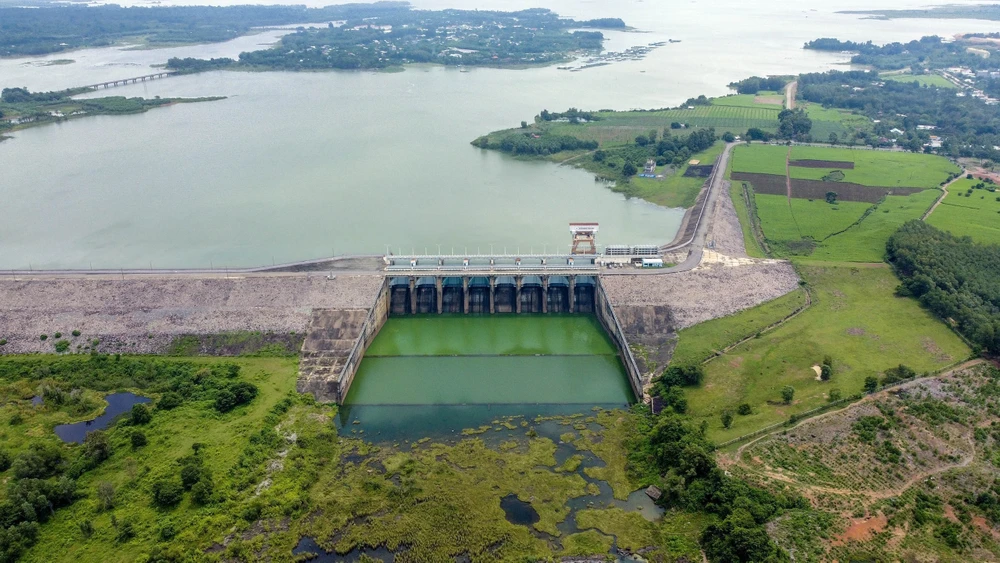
<point>733,113</point>
<point>675,190</point>
<point>841,122</point>
<point>866,241</point>
<point>697,343</point>
<point>855,318</point>
<point>976,215</point>
<point>751,100</point>
<point>760,159</point>
<point>871,168</point>
<point>877,168</point>
<point>782,220</point>
<point>922,79</point>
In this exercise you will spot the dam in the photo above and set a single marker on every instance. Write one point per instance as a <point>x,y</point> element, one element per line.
<point>338,340</point>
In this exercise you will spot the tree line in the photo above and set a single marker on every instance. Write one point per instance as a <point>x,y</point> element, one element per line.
<point>926,52</point>
<point>953,277</point>
<point>967,126</point>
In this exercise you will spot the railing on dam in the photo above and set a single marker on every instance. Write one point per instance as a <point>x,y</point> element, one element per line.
<point>369,329</point>
<point>606,314</point>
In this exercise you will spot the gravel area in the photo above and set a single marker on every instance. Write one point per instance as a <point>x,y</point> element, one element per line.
<point>705,293</point>
<point>726,234</point>
<point>143,315</point>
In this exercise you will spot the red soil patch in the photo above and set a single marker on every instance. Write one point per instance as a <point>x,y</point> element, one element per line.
<point>983,526</point>
<point>949,513</point>
<point>862,529</point>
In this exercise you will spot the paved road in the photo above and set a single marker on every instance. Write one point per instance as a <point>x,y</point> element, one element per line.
<point>790,90</point>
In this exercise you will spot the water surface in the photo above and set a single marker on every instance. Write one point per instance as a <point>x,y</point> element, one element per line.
<point>118,404</point>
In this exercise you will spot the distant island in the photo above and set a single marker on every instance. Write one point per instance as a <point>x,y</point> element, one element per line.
<point>21,108</point>
<point>400,36</point>
<point>952,11</point>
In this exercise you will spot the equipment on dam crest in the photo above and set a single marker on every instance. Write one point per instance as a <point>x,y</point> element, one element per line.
<point>584,237</point>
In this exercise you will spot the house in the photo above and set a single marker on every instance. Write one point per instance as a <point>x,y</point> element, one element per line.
<point>650,167</point>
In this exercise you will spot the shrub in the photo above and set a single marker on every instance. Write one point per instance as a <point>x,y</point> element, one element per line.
<point>744,409</point>
<point>61,346</point>
<point>43,337</point>
<point>126,531</point>
<point>871,384</point>
<point>86,528</point>
<point>239,393</point>
<point>41,461</point>
<point>169,401</point>
<point>834,395</point>
<point>3,341</point>
<point>167,492</point>
<point>16,419</point>
<point>4,460</point>
<point>787,394</point>
<point>167,531</point>
<point>203,490</point>
<point>140,415</point>
<point>138,440</point>
<point>689,375</point>
<point>727,419</point>
<point>57,335</point>
<point>75,333</point>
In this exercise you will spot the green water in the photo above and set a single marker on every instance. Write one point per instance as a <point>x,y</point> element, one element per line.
<point>436,375</point>
<point>521,335</point>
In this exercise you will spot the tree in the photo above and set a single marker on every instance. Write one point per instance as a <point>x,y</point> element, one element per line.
<point>202,491</point>
<point>169,400</point>
<point>690,375</point>
<point>787,394</point>
<point>106,495</point>
<point>629,169</point>
<point>642,140</point>
<point>871,384</point>
<point>825,371</point>
<point>834,395</point>
<point>96,446</point>
<point>600,155</point>
<point>140,415</point>
<point>524,125</point>
<point>831,197</point>
<point>138,439</point>
<point>727,419</point>
<point>833,138</point>
<point>744,409</point>
<point>728,137</point>
<point>167,492</point>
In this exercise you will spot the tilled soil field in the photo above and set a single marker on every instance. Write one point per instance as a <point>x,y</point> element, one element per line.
<point>772,184</point>
<point>806,163</point>
<point>145,315</point>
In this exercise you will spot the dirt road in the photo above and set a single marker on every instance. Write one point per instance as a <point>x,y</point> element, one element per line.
<point>790,91</point>
<point>944,188</point>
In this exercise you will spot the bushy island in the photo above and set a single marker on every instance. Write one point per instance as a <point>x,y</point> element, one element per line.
<point>21,108</point>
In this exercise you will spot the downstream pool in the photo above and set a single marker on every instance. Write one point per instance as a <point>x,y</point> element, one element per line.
<point>433,376</point>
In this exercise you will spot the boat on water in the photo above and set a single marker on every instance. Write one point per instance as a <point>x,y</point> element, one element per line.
<point>674,40</point>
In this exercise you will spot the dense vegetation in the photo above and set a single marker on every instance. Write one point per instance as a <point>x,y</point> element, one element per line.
<point>953,277</point>
<point>756,84</point>
<point>43,475</point>
<point>676,449</point>
<point>51,29</point>
<point>967,126</point>
<point>928,52</point>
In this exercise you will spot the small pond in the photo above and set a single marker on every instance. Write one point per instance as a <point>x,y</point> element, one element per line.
<point>118,404</point>
<point>518,511</point>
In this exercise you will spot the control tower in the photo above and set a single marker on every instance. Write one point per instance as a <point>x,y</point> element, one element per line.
<point>584,236</point>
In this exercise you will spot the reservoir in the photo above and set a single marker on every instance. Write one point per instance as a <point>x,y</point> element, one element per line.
<point>294,166</point>
<point>436,375</point>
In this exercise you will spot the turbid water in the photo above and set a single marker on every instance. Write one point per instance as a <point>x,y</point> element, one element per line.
<point>437,375</point>
<point>294,166</point>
